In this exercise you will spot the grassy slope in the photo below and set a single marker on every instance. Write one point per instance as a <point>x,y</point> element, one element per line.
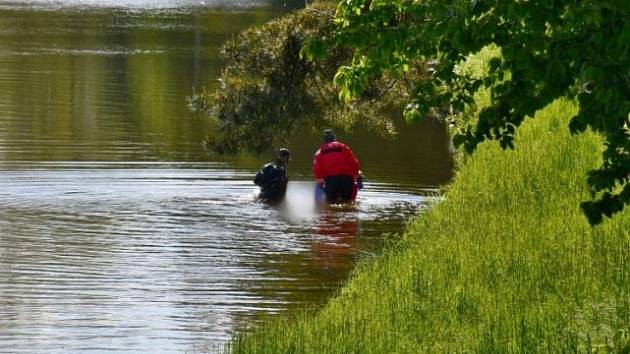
<point>506,263</point>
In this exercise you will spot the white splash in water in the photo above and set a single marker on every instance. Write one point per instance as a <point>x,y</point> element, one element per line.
<point>299,202</point>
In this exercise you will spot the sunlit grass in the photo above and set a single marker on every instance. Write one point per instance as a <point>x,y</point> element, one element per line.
<point>505,263</point>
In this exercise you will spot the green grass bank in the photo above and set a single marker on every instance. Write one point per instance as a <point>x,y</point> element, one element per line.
<point>506,263</point>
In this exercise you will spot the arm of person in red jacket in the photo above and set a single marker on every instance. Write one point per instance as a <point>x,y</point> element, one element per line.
<point>317,168</point>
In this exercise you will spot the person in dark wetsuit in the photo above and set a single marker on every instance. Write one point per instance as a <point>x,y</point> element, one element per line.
<point>273,178</point>
<point>336,169</point>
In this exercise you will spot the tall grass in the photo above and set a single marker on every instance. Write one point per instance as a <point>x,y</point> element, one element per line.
<point>506,263</point>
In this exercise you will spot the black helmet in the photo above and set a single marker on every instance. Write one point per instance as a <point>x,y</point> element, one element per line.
<point>284,153</point>
<point>329,136</point>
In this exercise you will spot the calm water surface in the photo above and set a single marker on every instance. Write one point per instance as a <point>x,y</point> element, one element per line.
<point>118,232</point>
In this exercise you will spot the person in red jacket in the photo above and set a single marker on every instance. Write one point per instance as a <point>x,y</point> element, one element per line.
<point>336,169</point>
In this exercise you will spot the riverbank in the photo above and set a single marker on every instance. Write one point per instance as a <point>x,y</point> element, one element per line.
<point>505,263</point>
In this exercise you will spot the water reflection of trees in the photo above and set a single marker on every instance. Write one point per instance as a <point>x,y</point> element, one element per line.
<point>109,85</point>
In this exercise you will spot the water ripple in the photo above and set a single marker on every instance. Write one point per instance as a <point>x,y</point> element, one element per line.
<point>150,257</point>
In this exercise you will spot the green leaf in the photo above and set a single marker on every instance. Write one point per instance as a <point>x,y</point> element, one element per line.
<point>459,139</point>
<point>413,113</point>
<point>312,49</point>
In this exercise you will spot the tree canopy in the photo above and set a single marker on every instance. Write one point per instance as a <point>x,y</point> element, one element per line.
<point>549,49</point>
<point>267,90</point>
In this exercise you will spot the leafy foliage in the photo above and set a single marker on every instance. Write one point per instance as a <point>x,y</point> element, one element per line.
<point>273,85</point>
<point>549,49</point>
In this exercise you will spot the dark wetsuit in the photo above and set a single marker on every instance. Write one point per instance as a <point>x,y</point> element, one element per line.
<point>272,180</point>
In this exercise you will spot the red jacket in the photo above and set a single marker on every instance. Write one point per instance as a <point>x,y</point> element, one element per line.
<point>333,159</point>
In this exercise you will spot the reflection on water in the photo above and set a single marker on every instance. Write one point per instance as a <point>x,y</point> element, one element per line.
<point>160,259</point>
<point>140,5</point>
<point>108,85</point>
<point>336,241</point>
<point>118,233</point>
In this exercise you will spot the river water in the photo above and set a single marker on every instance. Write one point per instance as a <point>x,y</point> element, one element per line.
<point>118,232</point>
